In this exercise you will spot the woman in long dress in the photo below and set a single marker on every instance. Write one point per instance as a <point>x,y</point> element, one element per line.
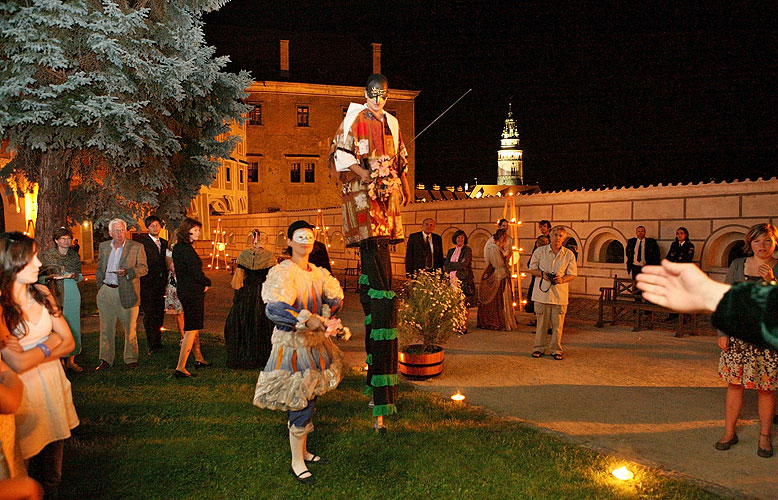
<point>744,365</point>
<point>304,362</point>
<point>40,336</point>
<point>458,265</point>
<point>495,306</point>
<point>63,265</point>
<point>191,287</point>
<point>247,330</point>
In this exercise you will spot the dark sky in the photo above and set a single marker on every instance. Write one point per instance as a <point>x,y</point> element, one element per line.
<point>627,96</point>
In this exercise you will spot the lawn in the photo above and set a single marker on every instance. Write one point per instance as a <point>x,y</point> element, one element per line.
<point>145,434</point>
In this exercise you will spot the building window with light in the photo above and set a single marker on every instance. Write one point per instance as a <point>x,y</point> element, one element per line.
<point>310,172</point>
<point>295,172</point>
<point>302,116</point>
<point>253,173</point>
<point>255,115</point>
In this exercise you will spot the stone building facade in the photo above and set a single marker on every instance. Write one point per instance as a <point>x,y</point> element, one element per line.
<point>716,214</point>
<point>288,138</point>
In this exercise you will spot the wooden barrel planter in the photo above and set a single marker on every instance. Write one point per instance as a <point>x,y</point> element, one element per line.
<point>420,366</point>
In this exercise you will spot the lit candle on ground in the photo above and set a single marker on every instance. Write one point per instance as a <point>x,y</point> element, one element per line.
<point>623,474</point>
<point>458,397</point>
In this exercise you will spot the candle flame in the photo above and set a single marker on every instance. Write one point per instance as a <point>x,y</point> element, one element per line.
<point>458,397</point>
<point>623,474</point>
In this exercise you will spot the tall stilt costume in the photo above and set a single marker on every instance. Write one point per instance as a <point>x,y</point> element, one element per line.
<point>368,142</point>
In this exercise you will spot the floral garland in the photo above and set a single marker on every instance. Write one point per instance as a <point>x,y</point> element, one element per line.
<point>385,180</point>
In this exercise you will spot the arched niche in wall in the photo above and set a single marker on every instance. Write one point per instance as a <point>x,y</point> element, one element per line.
<point>476,241</point>
<point>281,242</point>
<point>718,248</point>
<point>604,245</point>
<point>570,234</point>
<point>446,236</point>
<point>242,206</point>
<point>217,207</point>
<point>337,242</point>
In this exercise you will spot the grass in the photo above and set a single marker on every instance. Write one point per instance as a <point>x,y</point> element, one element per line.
<point>144,434</point>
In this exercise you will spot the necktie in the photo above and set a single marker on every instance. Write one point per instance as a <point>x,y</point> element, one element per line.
<point>159,245</point>
<point>640,250</point>
<point>427,253</point>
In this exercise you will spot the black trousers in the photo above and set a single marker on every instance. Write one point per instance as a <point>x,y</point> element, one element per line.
<point>378,303</point>
<point>46,468</point>
<point>152,302</point>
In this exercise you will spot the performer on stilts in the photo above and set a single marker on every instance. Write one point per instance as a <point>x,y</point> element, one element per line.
<point>369,155</point>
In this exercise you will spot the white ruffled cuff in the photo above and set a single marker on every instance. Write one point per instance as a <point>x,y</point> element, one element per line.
<point>302,317</point>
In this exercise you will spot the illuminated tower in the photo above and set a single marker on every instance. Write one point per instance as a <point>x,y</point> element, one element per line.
<point>509,166</point>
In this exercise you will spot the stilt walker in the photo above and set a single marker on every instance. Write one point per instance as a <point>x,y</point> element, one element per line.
<point>369,158</point>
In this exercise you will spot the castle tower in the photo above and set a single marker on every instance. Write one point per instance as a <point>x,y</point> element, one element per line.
<point>509,164</point>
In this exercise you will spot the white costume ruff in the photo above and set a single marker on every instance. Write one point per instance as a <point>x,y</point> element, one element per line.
<point>303,363</point>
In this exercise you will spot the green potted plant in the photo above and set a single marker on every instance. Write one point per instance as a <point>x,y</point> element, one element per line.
<point>431,311</point>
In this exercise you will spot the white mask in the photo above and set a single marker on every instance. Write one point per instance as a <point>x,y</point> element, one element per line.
<point>303,236</point>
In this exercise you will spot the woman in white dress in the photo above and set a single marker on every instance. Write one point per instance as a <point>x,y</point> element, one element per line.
<point>40,336</point>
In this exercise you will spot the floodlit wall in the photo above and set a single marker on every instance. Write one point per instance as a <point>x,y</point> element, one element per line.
<point>717,216</point>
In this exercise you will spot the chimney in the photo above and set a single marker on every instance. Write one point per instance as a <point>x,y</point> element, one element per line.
<point>285,58</point>
<point>376,58</point>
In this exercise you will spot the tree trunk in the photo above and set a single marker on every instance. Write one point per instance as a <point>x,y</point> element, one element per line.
<point>53,194</point>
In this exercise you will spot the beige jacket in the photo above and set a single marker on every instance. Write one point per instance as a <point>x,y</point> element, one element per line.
<point>134,261</point>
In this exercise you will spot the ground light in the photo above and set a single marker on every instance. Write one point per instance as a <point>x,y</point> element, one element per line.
<point>623,474</point>
<point>458,397</point>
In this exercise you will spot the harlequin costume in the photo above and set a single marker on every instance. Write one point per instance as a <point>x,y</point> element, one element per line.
<point>303,363</point>
<point>372,221</point>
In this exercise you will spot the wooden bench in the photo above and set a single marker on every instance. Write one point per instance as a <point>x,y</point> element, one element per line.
<point>355,272</point>
<point>625,299</point>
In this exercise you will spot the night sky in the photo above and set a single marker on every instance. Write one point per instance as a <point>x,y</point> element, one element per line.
<point>602,98</point>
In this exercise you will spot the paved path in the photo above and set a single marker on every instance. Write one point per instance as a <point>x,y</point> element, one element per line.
<point>648,397</point>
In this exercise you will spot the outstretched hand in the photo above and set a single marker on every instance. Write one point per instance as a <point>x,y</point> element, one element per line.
<point>680,287</point>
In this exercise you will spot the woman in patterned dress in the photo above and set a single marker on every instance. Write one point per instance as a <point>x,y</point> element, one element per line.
<point>745,365</point>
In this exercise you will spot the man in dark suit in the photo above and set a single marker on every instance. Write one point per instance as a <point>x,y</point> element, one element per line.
<point>120,265</point>
<point>153,285</point>
<point>424,249</point>
<point>641,251</point>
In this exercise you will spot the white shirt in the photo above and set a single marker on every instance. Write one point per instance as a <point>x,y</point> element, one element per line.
<point>641,245</point>
<point>562,264</point>
<point>113,264</point>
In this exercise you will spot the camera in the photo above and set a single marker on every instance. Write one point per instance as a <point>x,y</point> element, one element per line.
<point>550,277</point>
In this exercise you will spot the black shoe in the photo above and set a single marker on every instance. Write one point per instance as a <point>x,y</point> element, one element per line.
<point>132,365</point>
<point>309,479</point>
<point>316,460</point>
<point>102,366</point>
<point>180,374</point>
<point>763,452</point>
<point>727,444</point>
<point>201,364</point>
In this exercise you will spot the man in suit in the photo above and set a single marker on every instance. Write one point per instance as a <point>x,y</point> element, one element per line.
<point>641,251</point>
<point>424,249</point>
<point>153,285</point>
<point>120,265</point>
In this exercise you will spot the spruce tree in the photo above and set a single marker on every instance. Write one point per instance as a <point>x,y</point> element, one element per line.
<point>114,108</point>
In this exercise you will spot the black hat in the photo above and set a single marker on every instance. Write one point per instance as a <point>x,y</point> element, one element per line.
<point>298,224</point>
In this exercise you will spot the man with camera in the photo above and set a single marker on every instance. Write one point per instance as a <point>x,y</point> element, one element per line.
<point>554,267</point>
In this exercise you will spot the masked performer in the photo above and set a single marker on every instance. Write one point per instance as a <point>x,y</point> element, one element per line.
<point>304,363</point>
<point>369,155</point>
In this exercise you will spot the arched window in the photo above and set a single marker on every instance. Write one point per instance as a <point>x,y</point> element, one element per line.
<point>605,246</point>
<point>281,242</point>
<point>614,253</point>
<point>722,247</point>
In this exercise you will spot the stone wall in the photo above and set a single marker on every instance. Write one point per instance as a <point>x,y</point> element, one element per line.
<point>717,215</point>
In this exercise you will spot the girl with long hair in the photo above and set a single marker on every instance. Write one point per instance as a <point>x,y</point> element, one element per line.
<point>39,337</point>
